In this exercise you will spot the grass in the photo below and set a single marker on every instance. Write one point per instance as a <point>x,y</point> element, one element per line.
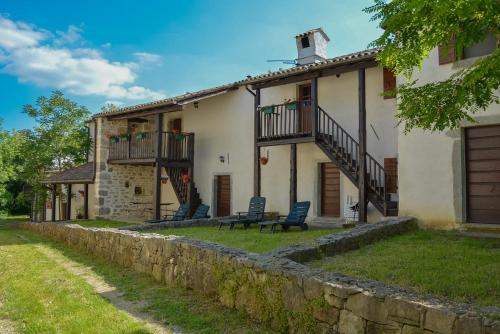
<point>441,263</point>
<point>102,223</point>
<point>250,239</point>
<point>39,296</point>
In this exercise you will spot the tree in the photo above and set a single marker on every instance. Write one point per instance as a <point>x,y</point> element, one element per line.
<point>412,28</point>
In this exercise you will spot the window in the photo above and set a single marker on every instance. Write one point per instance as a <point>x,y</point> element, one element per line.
<point>389,83</point>
<point>305,42</point>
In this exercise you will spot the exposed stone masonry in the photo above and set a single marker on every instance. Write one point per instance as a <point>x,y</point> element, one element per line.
<point>287,295</point>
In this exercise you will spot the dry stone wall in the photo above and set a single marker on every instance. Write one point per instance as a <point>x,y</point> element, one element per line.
<point>287,295</point>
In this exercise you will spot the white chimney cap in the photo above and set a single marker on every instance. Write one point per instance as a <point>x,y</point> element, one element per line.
<point>311,46</point>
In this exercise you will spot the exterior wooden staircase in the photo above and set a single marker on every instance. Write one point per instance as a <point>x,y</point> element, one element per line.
<point>181,188</point>
<point>343,150</point>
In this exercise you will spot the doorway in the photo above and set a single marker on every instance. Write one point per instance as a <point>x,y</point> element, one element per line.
<point>304,110</point>
<point>330,190</point>
<point>223,195</point>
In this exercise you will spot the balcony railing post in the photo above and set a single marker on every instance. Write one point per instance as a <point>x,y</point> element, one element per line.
<point>157,166</point>
<point>314,106</point>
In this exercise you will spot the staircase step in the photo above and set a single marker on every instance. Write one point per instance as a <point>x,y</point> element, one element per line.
<point>482,228</point>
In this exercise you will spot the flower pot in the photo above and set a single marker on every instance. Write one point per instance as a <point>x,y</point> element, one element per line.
<point>267,110</point>
<point>264,160</point>
<point>186,178</point>
<point>180,136</point>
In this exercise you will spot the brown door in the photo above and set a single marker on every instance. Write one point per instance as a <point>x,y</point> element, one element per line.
<point>483,174</point>
<point>175,125</point>
<point>223,195</point>
<point>330,190</point>
<point>304,116</point>
<point>175,147</point>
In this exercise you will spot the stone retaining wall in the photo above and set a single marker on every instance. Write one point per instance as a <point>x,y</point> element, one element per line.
<point>287,295</point>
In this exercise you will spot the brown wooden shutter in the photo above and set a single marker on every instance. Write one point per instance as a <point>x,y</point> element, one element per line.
<point>447,53</point>
<point>389,83</point>
<point>391,173</point>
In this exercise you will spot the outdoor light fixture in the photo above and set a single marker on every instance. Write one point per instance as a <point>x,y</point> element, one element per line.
<point>195,105</point>
<point>222,159</point>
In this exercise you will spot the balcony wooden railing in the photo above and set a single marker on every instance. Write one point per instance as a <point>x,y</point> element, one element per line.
<point>175,146</point>
<point>285,121</point>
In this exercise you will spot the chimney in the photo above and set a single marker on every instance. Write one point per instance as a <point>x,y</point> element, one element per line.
<point>311,46</point>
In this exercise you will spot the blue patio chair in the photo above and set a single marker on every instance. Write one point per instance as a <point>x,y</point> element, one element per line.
<point>180,214</point>
<point>201,212</point>
<point>255,214</point>
<point>296,217</point>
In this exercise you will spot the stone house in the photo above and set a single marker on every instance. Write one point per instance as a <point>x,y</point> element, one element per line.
<point>320,131</point>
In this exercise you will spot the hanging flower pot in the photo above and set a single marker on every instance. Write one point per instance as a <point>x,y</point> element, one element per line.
<point>268,109</point>
<point>186,178</point>
<point>179,136</point>
<point>140,136</point>
<point>263,160</point>
<point>164,179</point>
<point>124,137</point>
<point>113,139</point>
<point>291,106</point>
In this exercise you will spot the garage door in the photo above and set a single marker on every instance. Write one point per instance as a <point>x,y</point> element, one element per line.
<point>483,174</point>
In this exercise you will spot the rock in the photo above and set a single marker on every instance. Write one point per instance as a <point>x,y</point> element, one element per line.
<point>367,306</point>
<point>407,329</point>
<point>468,325</point>
<point>438,320</point>
<point>403,311</point>
<point>374,328</point>
<point>350,323</point>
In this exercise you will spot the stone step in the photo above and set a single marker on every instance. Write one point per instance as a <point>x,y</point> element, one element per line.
<point>482,228</point>
<point>480,235</point>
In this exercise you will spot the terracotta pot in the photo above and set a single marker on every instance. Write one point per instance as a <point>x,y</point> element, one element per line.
<point>264,160</point>
<point>186,178</point>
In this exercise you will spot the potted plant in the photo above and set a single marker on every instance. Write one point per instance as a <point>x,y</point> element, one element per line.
<point>186,178</point>
<point>264,160</point>
<point>124,137</point>
<point>180,136</point>
<point>113,139</point>
<point>267,109</point>
<point>291,105</point>
<point>140,136</point>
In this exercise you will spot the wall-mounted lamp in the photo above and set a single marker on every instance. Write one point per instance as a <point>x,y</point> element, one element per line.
<point>164,179</point>
<point>195,104</point>
<point>222,159</point>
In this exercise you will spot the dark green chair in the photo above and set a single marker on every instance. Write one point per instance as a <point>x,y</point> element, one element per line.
<point>201,212</point>
<point>179,215</point>
<point>296,217</point>
<point>255,214</point>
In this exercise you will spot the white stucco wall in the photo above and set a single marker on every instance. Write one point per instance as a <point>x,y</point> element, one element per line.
<point>77,202</point>
<point>431,171</point>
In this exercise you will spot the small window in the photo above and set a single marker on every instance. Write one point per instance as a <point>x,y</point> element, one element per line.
<point>305,42</point>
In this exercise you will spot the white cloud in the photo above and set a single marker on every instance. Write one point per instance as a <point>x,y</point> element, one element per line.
<point>146,57</point>
<point>19,34</point>
<point>106,45</point>
<point>82,71</point>
<point>72,35</point>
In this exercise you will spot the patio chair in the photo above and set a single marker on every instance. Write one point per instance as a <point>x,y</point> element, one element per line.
<point>179,215</point>
<point>296,217</point>
<point>201,212</point>
<point>254,215</point>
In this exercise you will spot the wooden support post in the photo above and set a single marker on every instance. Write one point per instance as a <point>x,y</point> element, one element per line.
<point>363,200</point>
<point>256,159</point>
<point>314,106</point>
<point>68,203</point>
<point>86,201</point>
<point>158,166</point>
<point>293,175</point>
<point>53,213</point>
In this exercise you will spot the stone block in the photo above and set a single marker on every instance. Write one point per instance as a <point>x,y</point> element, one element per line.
<point>439,320</point>
<point>403,311</point>
<point>407,329</point>
<point>326,313</point>
<point>374,328</point>
<point>468,325</point>
<point>367,306</point>
<point>293,296</point>
<point>350,323</point>
<point>313,288</point>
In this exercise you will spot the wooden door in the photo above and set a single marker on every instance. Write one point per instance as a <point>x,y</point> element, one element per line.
<point>330,190</point>
<point>175,149</point>
<point>483,174</point>
<point>175,125</point>
<point>223,185</point>
<point>304,116</point>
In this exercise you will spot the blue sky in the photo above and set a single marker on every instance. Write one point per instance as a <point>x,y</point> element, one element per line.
<point>128,52</point>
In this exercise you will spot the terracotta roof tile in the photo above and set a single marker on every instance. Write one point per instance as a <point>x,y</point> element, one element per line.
<point>80,174</point>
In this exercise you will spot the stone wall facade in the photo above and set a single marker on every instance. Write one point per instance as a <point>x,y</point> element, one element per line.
<point>286,295</point>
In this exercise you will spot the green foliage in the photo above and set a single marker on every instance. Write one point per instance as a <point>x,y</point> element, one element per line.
<point>412,28</point>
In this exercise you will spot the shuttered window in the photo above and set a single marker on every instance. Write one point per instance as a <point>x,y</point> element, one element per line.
<point>389,84</point>
<point>391,175</point>
<point>447,53</point>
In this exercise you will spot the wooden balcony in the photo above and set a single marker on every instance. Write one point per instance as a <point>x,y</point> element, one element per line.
<point>285,123</point>
<point>176,148</point>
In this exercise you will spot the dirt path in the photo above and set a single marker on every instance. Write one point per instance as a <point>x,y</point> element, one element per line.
<point>107,291</point>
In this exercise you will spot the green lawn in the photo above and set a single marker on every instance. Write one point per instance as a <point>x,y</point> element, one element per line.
<point>440,263</point>
<point>101,223</point>
<point>38,295</point>
<point>249,239</point>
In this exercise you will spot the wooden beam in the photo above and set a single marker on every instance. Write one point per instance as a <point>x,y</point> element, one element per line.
<point>293,175</point>
<point>348,68</point>
<point>145,112</point>
<point>68,202</point>
<point>363,200</point>
<point>157,166</point>
<point>286,80</point>
<point>53,212</point>
<point>256,150</point>
<point>288,141</point>
<point>314,106</point>
<point>86,201</point>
